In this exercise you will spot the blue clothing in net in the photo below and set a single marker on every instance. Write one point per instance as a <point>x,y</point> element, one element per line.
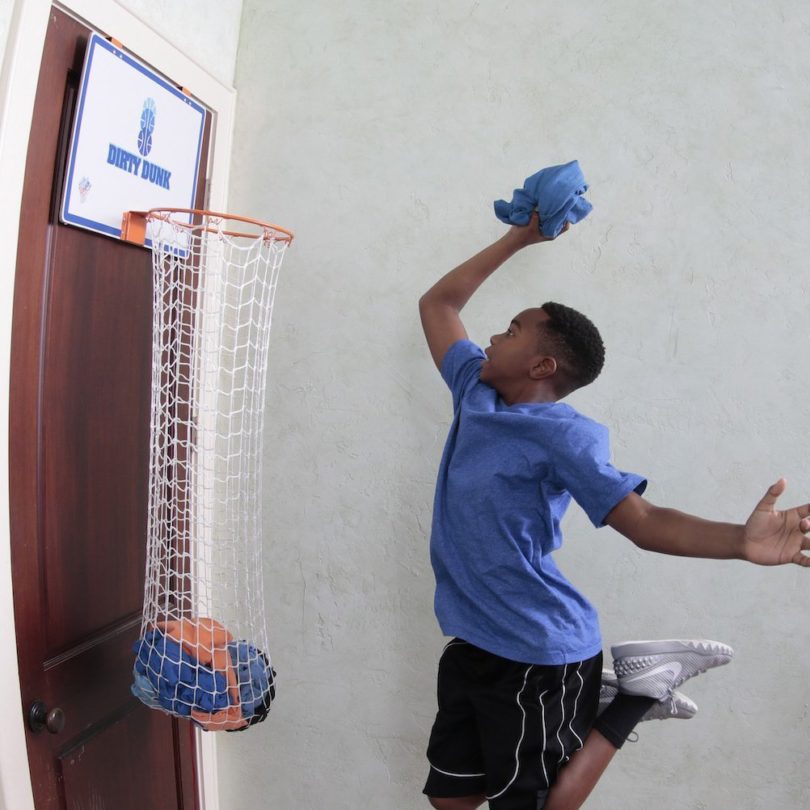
<point>179,683</point>
<point>255,678</point>
<point>555,193</point>
<point>168,678</point>
<point>507,477</point>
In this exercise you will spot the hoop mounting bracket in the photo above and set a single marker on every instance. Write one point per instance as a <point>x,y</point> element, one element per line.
<point>133,227</point>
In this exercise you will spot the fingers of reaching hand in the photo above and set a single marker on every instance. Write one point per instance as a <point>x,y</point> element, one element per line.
<point>802,557</point>
<point>770,498</point>
<point>564,229</point>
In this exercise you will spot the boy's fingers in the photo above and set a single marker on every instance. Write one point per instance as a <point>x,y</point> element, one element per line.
<point>771,496</point>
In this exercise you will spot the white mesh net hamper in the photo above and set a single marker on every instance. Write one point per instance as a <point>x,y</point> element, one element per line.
<point>202,651</point>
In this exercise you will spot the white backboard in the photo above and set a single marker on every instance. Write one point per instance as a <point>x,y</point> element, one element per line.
<point>136,142</point>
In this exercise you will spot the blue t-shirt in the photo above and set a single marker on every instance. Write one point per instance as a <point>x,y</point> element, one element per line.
<point>506,478</point>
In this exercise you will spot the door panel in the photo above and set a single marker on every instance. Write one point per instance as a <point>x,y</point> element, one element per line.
<point>95,432</point>
<point>101,753</point>
<point>79,451</point>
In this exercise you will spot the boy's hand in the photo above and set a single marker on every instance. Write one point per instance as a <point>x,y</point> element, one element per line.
<point>523,235</point>
<point>773,537</point>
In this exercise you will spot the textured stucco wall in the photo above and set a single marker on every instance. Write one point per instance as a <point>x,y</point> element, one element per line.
<point>206,30</point>
<point>381,133</point>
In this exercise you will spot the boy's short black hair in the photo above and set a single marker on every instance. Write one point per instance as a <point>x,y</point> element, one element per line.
<point>578,342</point>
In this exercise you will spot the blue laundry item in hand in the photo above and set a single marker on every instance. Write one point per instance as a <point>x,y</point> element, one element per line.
<point>555,193</point>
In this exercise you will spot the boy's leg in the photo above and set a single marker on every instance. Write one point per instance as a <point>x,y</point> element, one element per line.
<point>456,780</point>
<point>527,719</point>
<point>585,768</point>
<point>650,668</point>
<point>524,752</point>
<point>579,777</point>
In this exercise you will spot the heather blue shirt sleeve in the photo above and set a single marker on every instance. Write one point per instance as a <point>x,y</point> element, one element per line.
<point>461,368</point>
<point>582,466</point>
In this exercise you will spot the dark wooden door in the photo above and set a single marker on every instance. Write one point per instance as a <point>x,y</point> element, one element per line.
<point>79,448</point>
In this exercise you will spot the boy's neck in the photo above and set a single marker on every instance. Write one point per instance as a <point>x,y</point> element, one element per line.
<point>536,392</point>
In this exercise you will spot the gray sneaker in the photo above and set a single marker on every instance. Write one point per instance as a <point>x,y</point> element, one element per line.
<point>655,668</point>
<point>679,706</point>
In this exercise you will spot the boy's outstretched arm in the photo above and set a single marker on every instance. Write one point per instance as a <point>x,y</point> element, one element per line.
<point>769,536</point>
<point>440,306</point>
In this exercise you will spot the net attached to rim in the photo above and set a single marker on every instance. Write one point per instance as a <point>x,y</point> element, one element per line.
<point>202,651</point>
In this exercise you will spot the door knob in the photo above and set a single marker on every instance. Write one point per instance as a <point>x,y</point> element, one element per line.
<point>40,717</point>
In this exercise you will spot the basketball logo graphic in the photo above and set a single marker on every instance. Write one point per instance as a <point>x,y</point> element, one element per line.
<point>84,188</point>
<point>147,127</point>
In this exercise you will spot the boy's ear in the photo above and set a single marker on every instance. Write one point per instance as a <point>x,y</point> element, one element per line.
<point>543,368</point>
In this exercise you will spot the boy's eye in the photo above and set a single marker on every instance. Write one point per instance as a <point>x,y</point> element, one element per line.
<point>509,331</point>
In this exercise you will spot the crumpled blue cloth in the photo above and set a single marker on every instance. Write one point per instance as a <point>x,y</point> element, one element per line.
<point>555,193</point>
<point>178,682</point>
<point>166,677</point>
<point>143,690</point>
<point>255,677</point>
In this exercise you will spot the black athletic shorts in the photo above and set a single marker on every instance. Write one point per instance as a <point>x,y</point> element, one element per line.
<point>504,729</point>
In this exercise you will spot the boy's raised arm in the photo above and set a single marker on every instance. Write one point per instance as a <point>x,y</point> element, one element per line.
<point>440,306</point>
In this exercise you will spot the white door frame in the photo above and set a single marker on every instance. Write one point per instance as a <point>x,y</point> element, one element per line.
<point>18,84</point>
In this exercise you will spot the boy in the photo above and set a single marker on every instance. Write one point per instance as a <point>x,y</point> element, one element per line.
<point>519,683</point>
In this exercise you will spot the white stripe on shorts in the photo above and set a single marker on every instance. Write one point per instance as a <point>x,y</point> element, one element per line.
<point>543,726</point>
<point>573,713</point>
<point>522,734</point>
<point>562,715</point>
<point>576,703</point>
<point>459,775</point>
